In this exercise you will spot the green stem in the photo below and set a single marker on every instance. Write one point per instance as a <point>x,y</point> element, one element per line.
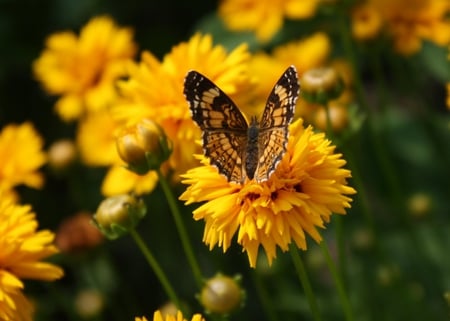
<point>329,125</point>
<point>186,243</point>
<point>345,302</point>
<point>340,240</point>
<point>384,160</point>
<point>266,301</point>
<point>156,268</point>
<point>361,194</point>
<point>304,280</point>
<point>339,224</point>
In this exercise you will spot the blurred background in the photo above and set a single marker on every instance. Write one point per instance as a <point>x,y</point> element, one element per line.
<point>397,263</point>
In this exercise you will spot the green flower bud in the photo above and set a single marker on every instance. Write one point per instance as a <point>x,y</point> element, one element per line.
<point>143,147</point>
<point>420,205</point>
<point>321,85</point>
<point>447,297</point>
<point>116,215</point>
<point>221,294</point>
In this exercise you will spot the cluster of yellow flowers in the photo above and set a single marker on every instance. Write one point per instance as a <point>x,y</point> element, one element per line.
<point>407,22</point>
<point>308,186</point>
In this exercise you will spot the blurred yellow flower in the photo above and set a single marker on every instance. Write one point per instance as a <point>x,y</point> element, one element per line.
<point>83,70</point>
<point>120,180</point>
<point>96,139</point>
<point>21,156</point>
<point>154,91</point>
<point>264,17</point>
<point>158,316</point>
<point>407,22</point>
<point>366,21</point>
<point>22,249</point>
<point>304,54</point>
<point>307,187</point>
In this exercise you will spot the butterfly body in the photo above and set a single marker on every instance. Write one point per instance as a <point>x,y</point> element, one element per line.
<point>252,148</point>
<point>240,150</point>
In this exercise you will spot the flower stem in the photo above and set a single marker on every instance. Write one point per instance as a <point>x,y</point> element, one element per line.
<point>156,268</point>
<point>329,125</point>
<point>345,302</point>
<point>266,302</point>
<point>187,247</point>
<point>304,280</point>
<point>383,158</point>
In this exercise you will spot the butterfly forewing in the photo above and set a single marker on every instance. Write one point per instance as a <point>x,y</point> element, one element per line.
<point>224,127</point>
<point>280,105</point>
<point>211,108</point>
<point>274,125</point>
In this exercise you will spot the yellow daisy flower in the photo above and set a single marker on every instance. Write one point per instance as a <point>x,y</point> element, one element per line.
<point>264,17</point>
<point>21,156</point>
<point>307,187</point>
<point>154,90</point>
<point>158,316</point>
<point>22,249</point>
<point>83,70</point>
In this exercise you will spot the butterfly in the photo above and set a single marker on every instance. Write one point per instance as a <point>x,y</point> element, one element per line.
<point>237,148</point>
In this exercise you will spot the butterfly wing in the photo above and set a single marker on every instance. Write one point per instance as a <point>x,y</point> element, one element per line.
<point>274,126</point>
<point>224,127</point>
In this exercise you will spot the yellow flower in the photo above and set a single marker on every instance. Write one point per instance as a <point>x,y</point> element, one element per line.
<point>158,316</point>
<point>407,22</point>
<point>20,156</point>
<point>120,180</point>
<point>154,91</point>
<point>96,139</point>
<point>264,17</point>
<point>367,22</point>
<point>304,54</point>
<point>307,187</point>
<point>83,70</point>
<point>22,249</point>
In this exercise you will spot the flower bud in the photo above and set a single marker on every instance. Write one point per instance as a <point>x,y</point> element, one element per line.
<point>221,294</point>
<point>143,147</point>
<point>62,154</point>
<point>118,214</point>
<point>447,297</point>
<point>420,205</point>
<point>338,117</point>
<point>76,233</point>
<point>320,85</point>
<point>89,303</point>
